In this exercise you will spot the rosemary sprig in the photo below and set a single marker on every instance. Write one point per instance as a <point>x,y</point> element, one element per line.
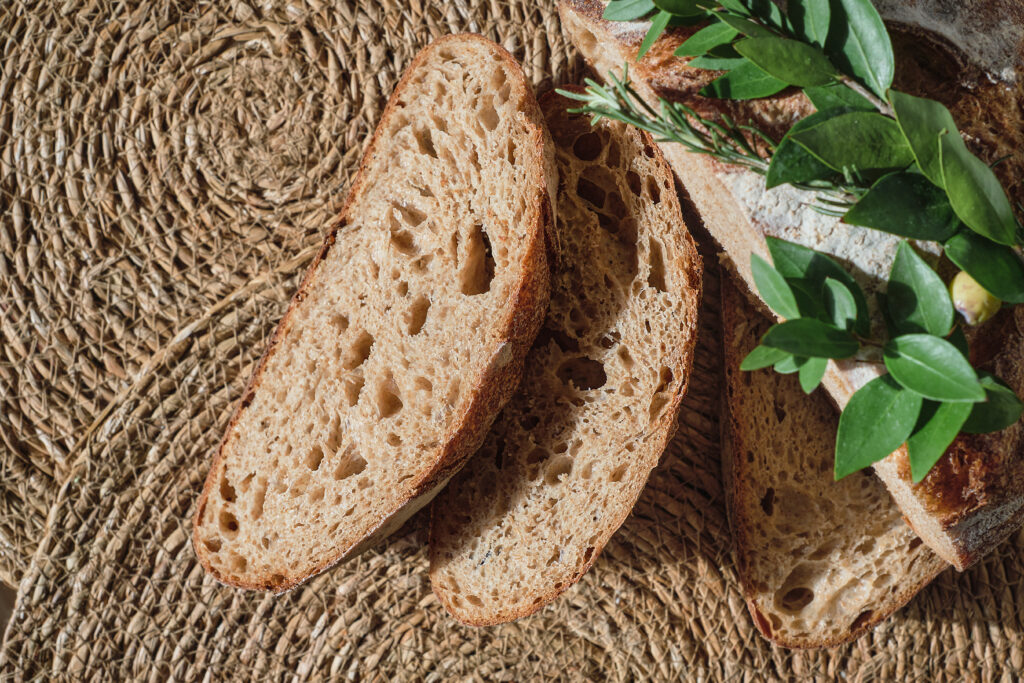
<point>724,140</point>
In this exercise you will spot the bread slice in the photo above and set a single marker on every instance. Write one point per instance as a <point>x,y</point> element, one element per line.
<point>820,562</point>
<point>407,334</point>
<point>975,496</point>
<point>570,454</point>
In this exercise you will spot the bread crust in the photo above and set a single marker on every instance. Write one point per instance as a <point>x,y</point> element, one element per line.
<point>688,264</point>
<point>523,315</point>
<point>737,317</point>
<point>975,497</point>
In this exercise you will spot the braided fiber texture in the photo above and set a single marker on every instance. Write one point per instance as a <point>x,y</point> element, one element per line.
<point>165,169</point>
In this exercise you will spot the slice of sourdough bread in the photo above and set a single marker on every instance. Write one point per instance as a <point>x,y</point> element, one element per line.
<point>820,562</point>
<point>974,497</point>
<point>570,454</point>
<point>407,335</point>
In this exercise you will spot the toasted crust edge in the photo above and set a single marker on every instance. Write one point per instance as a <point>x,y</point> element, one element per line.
<point>667,425</point>
<point>525,314</point>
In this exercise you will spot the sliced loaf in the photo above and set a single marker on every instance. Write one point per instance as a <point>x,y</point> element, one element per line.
<point>570,454</point>
<point>406,336</point>
<point>974,497</point>
<point>820,562</point>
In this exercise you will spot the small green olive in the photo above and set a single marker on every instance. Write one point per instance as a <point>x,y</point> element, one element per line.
<point>971,300</point>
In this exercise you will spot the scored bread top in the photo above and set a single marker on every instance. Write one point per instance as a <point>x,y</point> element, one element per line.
<point>819,561</point>
<point>974,497</point>
<point>407,334</point>
<point>570,454</point>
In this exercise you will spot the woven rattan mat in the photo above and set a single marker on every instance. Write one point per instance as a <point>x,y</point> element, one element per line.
<point>164,171</point>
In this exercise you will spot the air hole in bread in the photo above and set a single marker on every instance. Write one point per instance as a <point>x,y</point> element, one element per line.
<point>416,316</point>
<point>762,623</point>
<point>587,147</point>
<point>780,411</point>
<point>425,142</point>
<point>238,563</point>
<point>212,544</point>
<point>359,351</point>
<point>350,464</point>
<point>404,243</point>
<point>314,458</point>
<point>614,156</point>
<point>227,491</point>
<point>339,322</point>
<point>882,580</point>
<point>768,501</point>
<point>592,193</point>
<point>633,180</point>
<point>410,215</point>
<point>488,115</point>
<point>352,386</point>
<point>587,470</point>
<point>618,473</point>
<point>914,543</point>
<point>276,579</point>
<point>258,497</point>
<point>299,486</point>
<point>423,384</point>
<point>316,494</point>
<point>795,599</point>
<point>653,190</point>
<point>616,207</point>
<point>866,547</point>
<point>228,524</point>
<point>475,601</point>
<point>656,275</point>
<point>510,152</point>
<point>439,123</point>
<point>558,469</point>
<point>528,422</point>
<point>394,439</point>
<point>555,557</point>
<point>389,403</point>
<point>648,151</point>
<point>665,378</point>
<point>478,264</point>
<point>584,373</point>
<point>861,619</point>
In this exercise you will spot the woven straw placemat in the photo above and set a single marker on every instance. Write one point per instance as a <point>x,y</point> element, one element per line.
<point>165,168</point>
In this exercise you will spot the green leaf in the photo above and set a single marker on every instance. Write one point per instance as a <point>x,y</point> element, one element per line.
<point>767,11</point>
<point>795,261</point>
<point>975,192</point>
<point>1001,408</point>
<point>627,10</point>
<point>923,121</point>
<point>810,19</point>
<point>840,304</point>
<point>837,96</point>
<point>658,24</point>
<point>746,82</point>
<point>931,439</point>
<point>995,267</point>
<point>772,288</point>
<point>916,296</point>
<point>705,39</point>
<point>809,299</point>
<point>745,26</point>
<point>857,140</point>
<point>876,421</point>
<point>812,338</point>
<point>683,8</point>
<point>932,367</point>
<point>811,373</point>
<point>905,204</point>
<point>762,357</point>
<point>790,364</point>
<point>716,63</point>
<point>789,60</point>
<point>791,163</point>
<point>859,44</point>
<point>735,6</point>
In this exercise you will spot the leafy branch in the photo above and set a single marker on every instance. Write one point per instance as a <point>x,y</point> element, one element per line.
<point>876,158</point>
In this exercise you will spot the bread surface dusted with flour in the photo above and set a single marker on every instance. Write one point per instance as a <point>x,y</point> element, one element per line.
<point>407,334</point>
<point>568,457</point>
<point>820,562</point>
<point>974,497</point>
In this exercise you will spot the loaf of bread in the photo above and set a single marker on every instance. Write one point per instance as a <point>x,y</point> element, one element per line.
<point>974,497</point>
<point>820,562</point>
<point>570,454</point>
<point>407,335</point>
